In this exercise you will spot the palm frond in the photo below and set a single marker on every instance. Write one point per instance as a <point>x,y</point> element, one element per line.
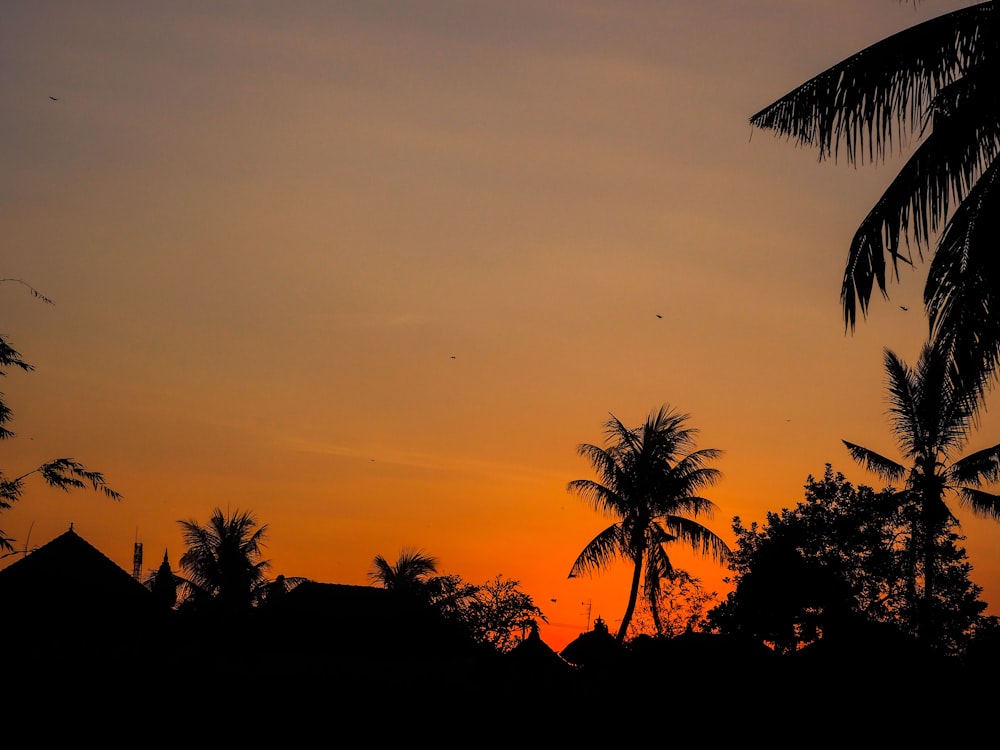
<point>916,203</point>
<point>691,475</point>
<point>381,571</point>
<point>868,100</point>
<point>945,416</point>
<point>977,468</point>
<point>962,292</point>
<point>604,461</point>
<point>904,394</point>
<point>697,536</point>
<point>690,505</point>
<point>985,504</point>
<point>879,465</point>
<point>600,552</point>
<point>602,499</point>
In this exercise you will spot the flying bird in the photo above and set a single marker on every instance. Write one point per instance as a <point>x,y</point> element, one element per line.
<point>53,98</point>
<point>904,308</point>
<point>658,315</point>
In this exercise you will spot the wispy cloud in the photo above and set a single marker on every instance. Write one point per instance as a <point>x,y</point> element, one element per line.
<point>430,462</point>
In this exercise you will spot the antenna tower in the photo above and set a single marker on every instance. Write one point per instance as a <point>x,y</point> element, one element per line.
<point>137,562</point>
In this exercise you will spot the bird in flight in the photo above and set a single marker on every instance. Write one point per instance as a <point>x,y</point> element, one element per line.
<point>658,315</point>
<point>53,98</point>
<point>904,308</point>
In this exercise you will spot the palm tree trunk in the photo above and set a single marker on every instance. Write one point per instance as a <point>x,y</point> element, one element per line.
<point>633,596</point>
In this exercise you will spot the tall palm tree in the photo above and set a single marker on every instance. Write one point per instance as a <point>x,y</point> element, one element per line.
<point>223,561</point>
<point>648,481</point>
<point>409,574</point>
<point>935,81</point>
<point>931,420</point>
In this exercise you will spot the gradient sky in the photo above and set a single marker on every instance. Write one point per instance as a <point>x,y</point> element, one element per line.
<point>373,270</point>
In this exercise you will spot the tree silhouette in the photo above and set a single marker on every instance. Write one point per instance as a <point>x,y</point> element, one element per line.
<point>408,575</point>
<point>500,614</point>
<point>936,81</point>
<point>224,568</point>
<point>836,562</point>
<point>648,481</point>
<point>682,604</point>
<point>61,473</point>
<point>931,419</point>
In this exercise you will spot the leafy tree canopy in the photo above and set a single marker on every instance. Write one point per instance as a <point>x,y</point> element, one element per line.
<point>838,560</point>
<point>496,613</point>
<point>682,605</point>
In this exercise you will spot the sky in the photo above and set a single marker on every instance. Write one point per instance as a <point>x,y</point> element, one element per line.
<point>374,270</point>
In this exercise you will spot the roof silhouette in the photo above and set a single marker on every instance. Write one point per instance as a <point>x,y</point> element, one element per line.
<point>535,654</point>
<point>69,572</point>
<point>596,647</point>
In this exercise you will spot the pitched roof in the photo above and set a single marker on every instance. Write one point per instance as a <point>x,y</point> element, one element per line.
<point>534,653</point>
<point>70,575</point>
<point>595,647</point>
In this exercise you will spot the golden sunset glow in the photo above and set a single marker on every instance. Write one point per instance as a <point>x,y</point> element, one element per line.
<point>374,270</point>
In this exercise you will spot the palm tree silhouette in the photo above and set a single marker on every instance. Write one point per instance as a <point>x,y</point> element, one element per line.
<point>931,418</point>
<point>936,81</point>
<point>409,575</point>
<point>223,564</point>
<point>648,480</point>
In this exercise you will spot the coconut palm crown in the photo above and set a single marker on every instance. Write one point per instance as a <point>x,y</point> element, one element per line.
<point>408,575</point>
<point>223,561</point>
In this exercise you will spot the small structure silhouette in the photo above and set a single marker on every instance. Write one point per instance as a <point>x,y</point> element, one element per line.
<point>533,655</point>
<point>594,649</point>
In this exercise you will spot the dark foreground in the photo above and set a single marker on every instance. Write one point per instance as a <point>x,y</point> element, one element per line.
<point>290,686</point>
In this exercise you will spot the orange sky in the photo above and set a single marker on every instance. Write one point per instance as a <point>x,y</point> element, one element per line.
<point>373,270</point>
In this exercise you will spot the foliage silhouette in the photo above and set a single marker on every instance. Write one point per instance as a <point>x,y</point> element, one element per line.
<point>839,564</point>
<point>648,480</point>
<point>683,605</point>
<point>408,575</point>
<point>500,615</point>
<point>61,473</point>
<point>935,81</point>
<point>931,419</point>
<point>223,564</point>
<point>495,614</point>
